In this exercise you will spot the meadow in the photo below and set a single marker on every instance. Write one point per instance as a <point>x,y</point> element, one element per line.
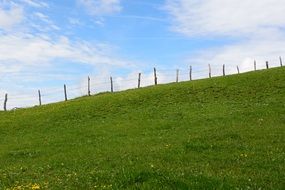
<point>219,133</point>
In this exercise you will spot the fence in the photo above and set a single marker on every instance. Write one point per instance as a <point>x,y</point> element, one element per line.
<point>158,76</point>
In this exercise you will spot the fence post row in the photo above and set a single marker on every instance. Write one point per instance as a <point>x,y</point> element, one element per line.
<point>210,72</point>
<point>155,76</point>
<point>190,73</point>
<point>112,88</point>
<point>139,80</point>
<point>5,102</point>
<point>65,93</point>
<point>177,75</point>
<point>40,97</point>
<point>89,91</point>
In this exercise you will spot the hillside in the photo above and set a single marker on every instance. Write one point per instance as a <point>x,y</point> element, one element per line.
<point>219,133</point>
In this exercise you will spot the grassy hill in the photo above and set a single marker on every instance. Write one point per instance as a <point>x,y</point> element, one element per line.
<point>219,133</point>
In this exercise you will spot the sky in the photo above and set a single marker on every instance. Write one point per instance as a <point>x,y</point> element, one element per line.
<point>47,43</point>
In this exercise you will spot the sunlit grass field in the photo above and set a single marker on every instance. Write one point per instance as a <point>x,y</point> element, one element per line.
<point>219,133</point>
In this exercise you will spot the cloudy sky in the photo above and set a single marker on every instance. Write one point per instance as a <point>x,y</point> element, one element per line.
<point>47,43</point>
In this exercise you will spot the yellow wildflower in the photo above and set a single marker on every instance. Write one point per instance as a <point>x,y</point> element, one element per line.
<point>35,186</point>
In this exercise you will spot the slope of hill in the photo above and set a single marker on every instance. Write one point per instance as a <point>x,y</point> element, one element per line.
<point>219,133</point>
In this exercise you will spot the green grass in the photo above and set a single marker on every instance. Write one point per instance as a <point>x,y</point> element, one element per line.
<point>219,133</point>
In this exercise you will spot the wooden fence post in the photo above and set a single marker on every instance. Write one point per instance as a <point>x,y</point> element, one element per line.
<point>237,69</point>
<point>65,93</point>
<point>112,87</point>
<point>139,80</point>
<point>155,76</point>
<point>267,65</point>
<point>254,65</point>
<point>89,91</point>
<point>5,102</point>
<point>177,75</point>
<point>210,72</point>
<point>40,97</point>
<point>190,73</point>
<point>224,70</point>
<point>281,64</point>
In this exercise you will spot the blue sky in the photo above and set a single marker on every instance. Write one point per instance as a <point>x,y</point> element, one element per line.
<point>44,44</point>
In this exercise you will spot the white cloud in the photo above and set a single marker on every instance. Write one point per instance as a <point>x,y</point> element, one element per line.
<point>225,17</point>
<point>10,17</point>
<point>48,24</point>
<point>42,16</point>
<point>101,7</point>
<point>33,50</point>
<point>256,27</point>
<point>35,3</point>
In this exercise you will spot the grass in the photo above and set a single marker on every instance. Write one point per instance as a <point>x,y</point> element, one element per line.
<point>219,133</point>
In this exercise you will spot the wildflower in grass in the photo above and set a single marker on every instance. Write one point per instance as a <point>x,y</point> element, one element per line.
<point>36,186</point>
<point>167,145</point>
